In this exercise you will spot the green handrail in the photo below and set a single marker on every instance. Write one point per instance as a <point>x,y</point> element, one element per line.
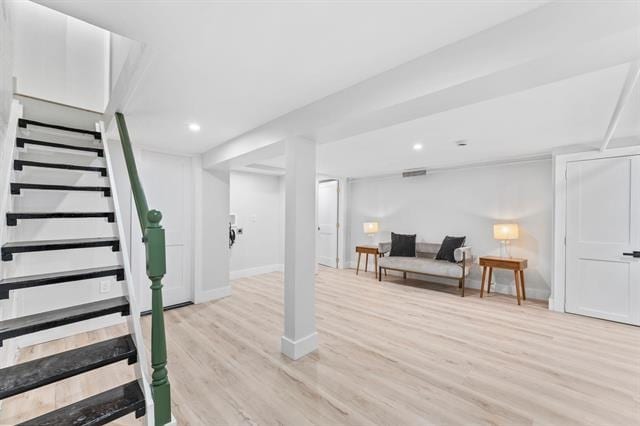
<point>153,238</point>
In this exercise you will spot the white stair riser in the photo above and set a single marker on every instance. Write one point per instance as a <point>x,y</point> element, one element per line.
<point>59,156</point>
<point>61,201</point>
<point>43,262</point>
<point>58,229</point>
<point>60,177</point>
<point>29,148</point>
<point>68,138</point>
<point>57,296</point>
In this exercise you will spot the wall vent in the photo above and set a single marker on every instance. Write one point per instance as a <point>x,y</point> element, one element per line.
<point>414,173</point>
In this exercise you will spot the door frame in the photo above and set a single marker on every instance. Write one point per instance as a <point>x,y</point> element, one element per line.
<point>338,223</point>
<point>559,257</point>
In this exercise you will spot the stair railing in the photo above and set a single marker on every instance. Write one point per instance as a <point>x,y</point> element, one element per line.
<point>153,239</point>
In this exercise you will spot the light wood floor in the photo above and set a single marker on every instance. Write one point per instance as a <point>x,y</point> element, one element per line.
<point>390,353</point>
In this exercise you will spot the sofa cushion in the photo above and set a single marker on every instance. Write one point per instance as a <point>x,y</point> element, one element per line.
<point>403,245</point>
<point>421,265</point>
<point>448,247</point>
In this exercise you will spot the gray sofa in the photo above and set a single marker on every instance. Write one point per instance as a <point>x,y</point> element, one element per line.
<point>425,263</point>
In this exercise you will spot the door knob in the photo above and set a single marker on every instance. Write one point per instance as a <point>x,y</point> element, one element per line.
<point>634,254</point>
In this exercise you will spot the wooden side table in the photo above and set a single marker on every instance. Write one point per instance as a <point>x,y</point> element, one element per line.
<point>367,250</point>
<point>514,264</point>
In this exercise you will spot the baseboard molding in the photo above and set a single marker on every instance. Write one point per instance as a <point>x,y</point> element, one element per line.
<point>299,348</point>
<point>509,289</point>
<point>249,272</point>
<point>213,294</point>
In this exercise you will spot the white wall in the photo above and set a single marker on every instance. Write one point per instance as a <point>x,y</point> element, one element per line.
<point>258,202</point>
<point>6,66</point>
<point>60,58</point>
<point>120,47</point>
<point>465,202</point>
<point>212,232</point>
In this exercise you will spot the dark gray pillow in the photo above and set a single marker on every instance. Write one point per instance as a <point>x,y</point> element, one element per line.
<point>403,245</point>
<point>449,245</point>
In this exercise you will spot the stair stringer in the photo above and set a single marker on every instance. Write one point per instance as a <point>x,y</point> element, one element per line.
<point>133,320</point>
<point>9,307</point>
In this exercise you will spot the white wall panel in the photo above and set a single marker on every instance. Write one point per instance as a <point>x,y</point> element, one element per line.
<point>59,58</point>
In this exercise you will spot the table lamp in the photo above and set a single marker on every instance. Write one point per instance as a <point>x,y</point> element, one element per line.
<point>505,232</point>
<point>370,228</point>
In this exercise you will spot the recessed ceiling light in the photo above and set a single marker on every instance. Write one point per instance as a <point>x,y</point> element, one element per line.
<point>417,147</point>
<point>462,142</point>
<point>194,127</point>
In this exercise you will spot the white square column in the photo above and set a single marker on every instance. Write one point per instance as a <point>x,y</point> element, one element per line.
<point>300,337</point>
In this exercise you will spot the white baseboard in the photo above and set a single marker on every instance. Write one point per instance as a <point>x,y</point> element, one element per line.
<point>213,294</point>
<point>299,348</point>
<point>249,272</point>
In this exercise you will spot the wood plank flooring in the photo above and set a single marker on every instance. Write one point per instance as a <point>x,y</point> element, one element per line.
<point>392,353</point>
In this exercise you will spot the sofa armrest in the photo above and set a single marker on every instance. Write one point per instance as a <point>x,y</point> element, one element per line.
<point>463,252</point>
<point>384,247</point>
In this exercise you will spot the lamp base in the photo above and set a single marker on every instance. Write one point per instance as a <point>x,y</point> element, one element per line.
<point>505,248</point>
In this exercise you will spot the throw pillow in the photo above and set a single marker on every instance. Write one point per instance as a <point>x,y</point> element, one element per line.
<point>449,245</point>
<point>403,245</point>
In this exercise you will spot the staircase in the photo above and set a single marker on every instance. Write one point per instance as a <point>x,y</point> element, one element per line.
<point>47,265</point>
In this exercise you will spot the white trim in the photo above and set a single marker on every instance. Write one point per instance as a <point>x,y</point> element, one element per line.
<point>197,227</point>
<point>250,272</point>
<point>133,319</point>
<point>623,99</point>
<point>9,307</point>
<point>299,348</point>
<point>558,281</point>
<point>213,294</point>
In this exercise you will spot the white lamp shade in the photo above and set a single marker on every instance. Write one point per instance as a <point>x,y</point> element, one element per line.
<point>370,227</point>
<point>506,231</point>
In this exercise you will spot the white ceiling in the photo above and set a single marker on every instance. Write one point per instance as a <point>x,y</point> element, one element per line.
<point>513,78</point>
<point>527,123</point>
<point>233,66</point>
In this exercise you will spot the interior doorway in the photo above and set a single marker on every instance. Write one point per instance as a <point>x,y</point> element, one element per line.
<point>328,223</point>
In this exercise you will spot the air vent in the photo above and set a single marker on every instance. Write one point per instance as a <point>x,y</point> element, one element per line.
<point>414,173</point>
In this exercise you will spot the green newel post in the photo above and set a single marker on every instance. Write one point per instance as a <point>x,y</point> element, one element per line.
<point>153,235</point>
<point>156,268</point>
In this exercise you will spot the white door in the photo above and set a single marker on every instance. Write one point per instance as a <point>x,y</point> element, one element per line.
<point>167,183</point>
<point>603,222</point>
<point>327,241</point>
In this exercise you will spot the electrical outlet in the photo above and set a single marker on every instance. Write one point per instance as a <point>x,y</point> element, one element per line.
<point>254,218</point>
<point>105,286</point>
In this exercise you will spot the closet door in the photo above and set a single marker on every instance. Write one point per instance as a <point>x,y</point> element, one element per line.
<point>603,223</point>
<point>167,182</point>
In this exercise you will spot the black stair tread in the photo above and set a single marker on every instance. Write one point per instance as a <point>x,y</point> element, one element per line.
<point>97,410</point>
<point>23,122</point>
<point>16,187</point>
<point>20,143</point>
<point>8,249</point>
<point>71,241</point>
<point>40,372</point>
<point>19,164</point>
<point>14,216</point>
<point>15,283</point>
<point>45,320</point>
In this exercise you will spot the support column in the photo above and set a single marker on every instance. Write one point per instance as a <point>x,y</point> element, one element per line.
<point>300,337</point>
